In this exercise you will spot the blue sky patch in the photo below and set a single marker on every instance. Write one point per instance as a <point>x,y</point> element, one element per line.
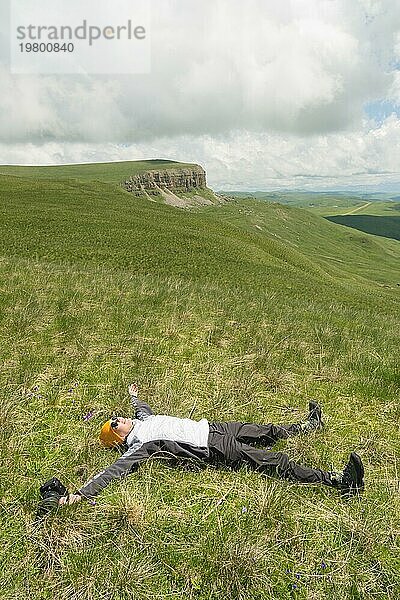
<point>379,110</point>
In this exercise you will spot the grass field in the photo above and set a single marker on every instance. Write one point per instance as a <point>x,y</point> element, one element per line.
<point>236,312</point>
<point>318,202</point>
<point>374,217</point>
<point>375,214</point>
<point>113,172</point>
<point>365,207</point>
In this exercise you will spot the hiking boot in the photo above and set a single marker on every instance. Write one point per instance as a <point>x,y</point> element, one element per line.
<point>315,415</point>
<point>352,480</point>
<point>314,419</point>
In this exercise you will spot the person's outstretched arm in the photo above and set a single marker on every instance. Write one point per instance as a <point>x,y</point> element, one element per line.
<point>141,410</point>
<point>125,464</point>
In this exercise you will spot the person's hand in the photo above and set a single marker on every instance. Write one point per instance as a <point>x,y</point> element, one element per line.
<point>133,389</point>
<point>71,499</point>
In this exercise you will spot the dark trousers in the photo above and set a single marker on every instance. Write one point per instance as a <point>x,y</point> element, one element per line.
<point>233,444</point>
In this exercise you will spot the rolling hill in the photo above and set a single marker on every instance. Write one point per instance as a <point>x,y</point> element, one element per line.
<point>240,311</point>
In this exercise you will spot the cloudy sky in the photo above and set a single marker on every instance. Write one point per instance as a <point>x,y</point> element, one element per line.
<point>265,94</point>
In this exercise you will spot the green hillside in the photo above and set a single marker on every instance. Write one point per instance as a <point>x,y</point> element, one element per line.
<point>376,208</point>
<point>236,312</point>
<point>328,203</point>
<point>112,172</point>
<point>317,201</point>
<point>375,213</point>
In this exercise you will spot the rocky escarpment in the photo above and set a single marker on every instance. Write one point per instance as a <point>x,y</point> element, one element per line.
<point>174,180</point>
<point>183,187</point>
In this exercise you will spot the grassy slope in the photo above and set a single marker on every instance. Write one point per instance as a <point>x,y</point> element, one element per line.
<point>214,317</point>
<point>370,215</point>
<point>112,172</point>
<point>384,209</point>
<point>345,253</point>
<point>328,203</point>
<point>316,201</point>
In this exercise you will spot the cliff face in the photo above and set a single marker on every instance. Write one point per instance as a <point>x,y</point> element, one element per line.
<point>174,180</point>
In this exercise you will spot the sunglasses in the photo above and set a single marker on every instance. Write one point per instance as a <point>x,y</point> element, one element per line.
<point>114,422</point>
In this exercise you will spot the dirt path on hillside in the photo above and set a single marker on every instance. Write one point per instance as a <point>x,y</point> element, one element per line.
<point>357,209</point>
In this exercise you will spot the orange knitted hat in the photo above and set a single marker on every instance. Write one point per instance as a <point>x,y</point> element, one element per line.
<point>108,436</point>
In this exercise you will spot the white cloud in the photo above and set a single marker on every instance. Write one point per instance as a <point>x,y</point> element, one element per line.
<point>301,67</point>
<point>263,94</point>
<point>250,160</point>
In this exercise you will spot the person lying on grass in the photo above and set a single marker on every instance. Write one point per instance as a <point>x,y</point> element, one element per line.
<point>222,443</point>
